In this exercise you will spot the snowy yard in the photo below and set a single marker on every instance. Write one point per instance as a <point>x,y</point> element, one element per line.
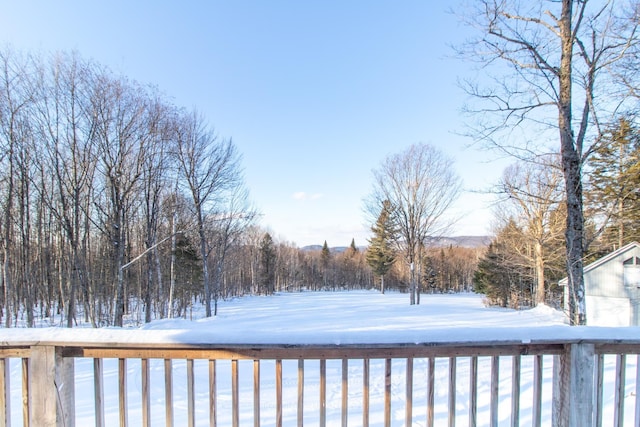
<point>331,318</point>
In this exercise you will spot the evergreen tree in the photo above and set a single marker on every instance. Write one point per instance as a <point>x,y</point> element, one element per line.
<point>352,249</point>
<point>503,275</point>
<point>325,259</point>
<point>615,184</point>
<point>325,255</point>
<point>381,255</point>
<point>267,264</point>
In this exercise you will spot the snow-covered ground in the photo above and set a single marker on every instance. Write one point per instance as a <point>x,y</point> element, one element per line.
<point>333,318</point>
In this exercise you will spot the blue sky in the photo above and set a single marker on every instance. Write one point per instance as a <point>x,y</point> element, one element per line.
<point>315,94</point>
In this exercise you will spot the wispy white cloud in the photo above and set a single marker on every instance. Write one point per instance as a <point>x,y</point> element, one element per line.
<point>301,195</point>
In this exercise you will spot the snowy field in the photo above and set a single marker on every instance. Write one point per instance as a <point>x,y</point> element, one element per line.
<point>334,318</point>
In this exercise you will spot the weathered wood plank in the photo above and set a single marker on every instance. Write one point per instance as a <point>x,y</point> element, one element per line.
<point>41,389</point>
<point>26,401</point>
<point>15,352</point>
<point>495,387</point>
<point>168,391</point>
<point>191,421</point>
<point>537,391</point>
<point>452,391</point>
<point>98,392</point>
<point>66,390</point>
<point>212,394</point>
<point>278,393</point>
<point>473,391</point>
<point>515,391</point>
<point>345,391</point>
<point>408,415</point>
<point>256,393</point>
<point>573,386</point>
<point>387,392</point>
<point>430,391</point>
<point>300,392</point>
<point>5,392</point>
<point>621,369</point>
<point>365,392</point>
<point>289,352</point>
<point>122,392</point>
<point>235,395</point>
<point>146,393</point>
<point>323,392</point>
<point>599,390</point>
<point>637,403</point>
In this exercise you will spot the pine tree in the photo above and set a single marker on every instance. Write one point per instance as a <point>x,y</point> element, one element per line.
<point>381,255</point>
<point>615,184</point>
<point>267,264</point>
<point>325,258</point>
<point>502,274</point>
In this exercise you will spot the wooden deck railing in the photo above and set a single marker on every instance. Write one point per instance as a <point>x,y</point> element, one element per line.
<point>49,396</point>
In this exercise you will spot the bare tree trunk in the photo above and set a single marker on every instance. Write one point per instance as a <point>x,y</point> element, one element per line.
<point>572,168</point>
<point>539,265</point>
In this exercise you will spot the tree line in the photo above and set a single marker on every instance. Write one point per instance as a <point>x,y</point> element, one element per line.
<point>118,204</point>
<point>526,259</point>
<point>107,191</point>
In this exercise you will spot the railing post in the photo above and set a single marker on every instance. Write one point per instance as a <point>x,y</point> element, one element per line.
<point>51,388</point>
<point>573,378</point>
<point>65,384</point>
<point>42,386</point>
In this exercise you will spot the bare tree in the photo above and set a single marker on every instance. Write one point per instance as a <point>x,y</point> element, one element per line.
<point>209,167</point>
<point>535,192</point>
<point>421,185</point>
<point>67,130</point>
<point>15,100</point>
<point>549,62</point>
<point>233,217</point>
<point>122,140</point>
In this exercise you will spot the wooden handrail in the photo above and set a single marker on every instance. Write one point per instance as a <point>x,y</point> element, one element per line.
<point>48,370</point>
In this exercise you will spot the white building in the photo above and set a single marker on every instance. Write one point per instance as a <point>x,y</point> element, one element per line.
<point>612,288</point>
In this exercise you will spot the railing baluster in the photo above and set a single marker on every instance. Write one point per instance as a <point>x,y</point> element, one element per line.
<point>637,406</point>
<point>621,369</point>
<point>98,391</point>
<point>515,390</point>
<point>365,393</point>
<point>168,392</point>
<point>537,391</point>
<point>25,391</point>
<point>495,383</point>
<point>278,393</point>
<point>345,391</point>
<point>256,393</point>
<point>387,392</point>
<point>452,391</point>
<point>473,391</point>
<point>212,394</point>
<point>5,388</point>
<point>300,392</point>
<point>599,389</point>
<point>323,392</point>
<point>430,391</point>
<point>235,395</point>
<point>191,417</point>
<point>122,390</point>
<point>146,393</point>
<point>408,416</point>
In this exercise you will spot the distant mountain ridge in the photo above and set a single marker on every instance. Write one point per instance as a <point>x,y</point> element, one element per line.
<point>460,241</point>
